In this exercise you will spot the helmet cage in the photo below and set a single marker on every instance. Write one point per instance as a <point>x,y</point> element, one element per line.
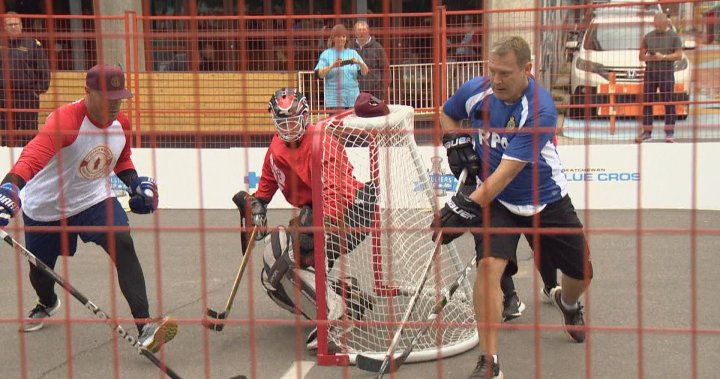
<point>290,129</point>
<point>289,109</point>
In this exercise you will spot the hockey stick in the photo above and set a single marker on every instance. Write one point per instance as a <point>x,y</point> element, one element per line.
<point>88,304</point>
<point>411,306</point>
<point>218,326</point>
<point>376,365</point>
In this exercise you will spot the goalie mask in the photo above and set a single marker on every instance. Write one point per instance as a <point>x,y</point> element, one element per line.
<point>290,110</point>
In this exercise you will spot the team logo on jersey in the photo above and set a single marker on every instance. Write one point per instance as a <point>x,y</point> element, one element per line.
<point>277,173</point>
<point>96,163</point>
<point>510,125</point>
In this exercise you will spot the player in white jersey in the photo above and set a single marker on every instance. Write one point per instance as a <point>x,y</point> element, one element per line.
<point>65,174</point>
<point>523,186</point>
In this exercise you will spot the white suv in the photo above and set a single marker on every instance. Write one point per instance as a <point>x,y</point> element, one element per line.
<point>612,44</point>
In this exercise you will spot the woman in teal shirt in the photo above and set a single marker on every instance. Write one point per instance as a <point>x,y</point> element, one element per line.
<point>340,67</point>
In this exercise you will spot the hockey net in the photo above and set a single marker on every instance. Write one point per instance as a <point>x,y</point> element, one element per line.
<point>395,246</point>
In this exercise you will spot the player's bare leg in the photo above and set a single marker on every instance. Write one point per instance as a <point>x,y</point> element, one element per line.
<point>488,303</point>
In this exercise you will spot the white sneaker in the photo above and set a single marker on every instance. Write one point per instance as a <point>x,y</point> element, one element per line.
<point>158,333</point>
<point>547,294</point>
<point>36,317</point>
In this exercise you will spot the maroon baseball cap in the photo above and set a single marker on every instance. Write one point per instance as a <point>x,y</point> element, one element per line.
<point>367,105</point>
<point>109,80</point>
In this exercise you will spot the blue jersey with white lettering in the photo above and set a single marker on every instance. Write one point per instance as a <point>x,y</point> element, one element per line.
<point>521,131</point>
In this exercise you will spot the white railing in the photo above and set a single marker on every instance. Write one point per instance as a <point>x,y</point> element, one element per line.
<point>410,84</point>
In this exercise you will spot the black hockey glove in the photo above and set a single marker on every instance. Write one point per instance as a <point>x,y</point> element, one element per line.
<point>459,212</point>
<point>258,210</point>
<point>461,154</point>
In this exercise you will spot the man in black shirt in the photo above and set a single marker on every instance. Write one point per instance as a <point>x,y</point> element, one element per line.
<point>659,50</point>
<point>24,76</point>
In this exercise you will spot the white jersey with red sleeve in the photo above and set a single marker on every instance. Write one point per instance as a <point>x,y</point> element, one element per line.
<point>289,169</point>
<point>67,165</point>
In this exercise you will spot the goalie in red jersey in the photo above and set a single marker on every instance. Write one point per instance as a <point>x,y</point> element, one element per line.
<point>288,263</point>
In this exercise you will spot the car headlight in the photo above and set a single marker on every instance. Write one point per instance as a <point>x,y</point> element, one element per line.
<point>680,65</point>
<point>590,66</point>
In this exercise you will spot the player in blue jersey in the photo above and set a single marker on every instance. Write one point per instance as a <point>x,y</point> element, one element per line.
<point>522,186</point>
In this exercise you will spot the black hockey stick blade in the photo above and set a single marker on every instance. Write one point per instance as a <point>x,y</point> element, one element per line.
<point>215,314</point>
<point>214,326</point>
<point>239,377</point>
<point>366,363</point>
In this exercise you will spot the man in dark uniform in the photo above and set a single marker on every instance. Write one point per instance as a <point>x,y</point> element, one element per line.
<point>25,75</point>
<point>659,50</point>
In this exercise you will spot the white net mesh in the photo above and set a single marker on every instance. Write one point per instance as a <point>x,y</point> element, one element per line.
<point>382,217</point>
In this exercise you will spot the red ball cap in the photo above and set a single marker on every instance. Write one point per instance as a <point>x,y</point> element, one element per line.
<point>108,80</point>
<point>367,105</point>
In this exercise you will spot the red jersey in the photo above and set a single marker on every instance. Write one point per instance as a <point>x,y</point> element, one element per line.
<point>290,170</point>
<point>67,165</point>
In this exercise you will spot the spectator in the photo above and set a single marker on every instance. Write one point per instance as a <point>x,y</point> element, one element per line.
<point>340,67</point>
<point>466,51</point>
<point>208,58</point>
<point>24,76</point>
<point>179,62</point>
<point>373,54</point>
<point>659,49</point>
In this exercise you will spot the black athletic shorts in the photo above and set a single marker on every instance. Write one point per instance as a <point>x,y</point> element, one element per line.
<point>565,251</point>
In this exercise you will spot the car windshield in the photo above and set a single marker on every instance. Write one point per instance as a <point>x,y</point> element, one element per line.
<point>615,36</point>
<point>631,10</point>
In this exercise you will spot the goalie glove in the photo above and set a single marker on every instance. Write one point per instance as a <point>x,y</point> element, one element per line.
<point>462,155</point>
<point>144,196</point>
<point>9,203</point>
<point>258,210</point>
<point>459,212</point>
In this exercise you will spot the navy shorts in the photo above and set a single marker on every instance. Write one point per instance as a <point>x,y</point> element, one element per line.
<point>47,245</point>
<point>564,251</point>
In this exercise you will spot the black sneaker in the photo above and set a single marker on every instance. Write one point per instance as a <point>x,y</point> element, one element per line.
<point>572,319</point>
<point>644,136</point>
<point>512,307</point>
<point>37,316</point>
<point>487,369</point>
<point>157,333</point>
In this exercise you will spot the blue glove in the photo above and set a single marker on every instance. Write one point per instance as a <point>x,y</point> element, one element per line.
<point>143,195</point>
<point>9,203</point>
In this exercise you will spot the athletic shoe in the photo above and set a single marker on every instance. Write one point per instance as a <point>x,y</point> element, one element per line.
<point>512,307</point>
<point>311,343</point>
<point>644,136</point>
<point>546,294</point>
<point>37,316</point>
<point>572,319</point>
<point>157,333</point>
<point>669,138</point>
<point>487,369</point>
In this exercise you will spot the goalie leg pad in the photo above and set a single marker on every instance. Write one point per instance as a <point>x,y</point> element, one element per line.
<point>282,278</point>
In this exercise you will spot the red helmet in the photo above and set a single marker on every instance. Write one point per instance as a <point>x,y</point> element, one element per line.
<point>290,110</point>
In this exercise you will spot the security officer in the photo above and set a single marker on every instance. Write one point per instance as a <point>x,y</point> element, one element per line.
<point>24,76</point>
